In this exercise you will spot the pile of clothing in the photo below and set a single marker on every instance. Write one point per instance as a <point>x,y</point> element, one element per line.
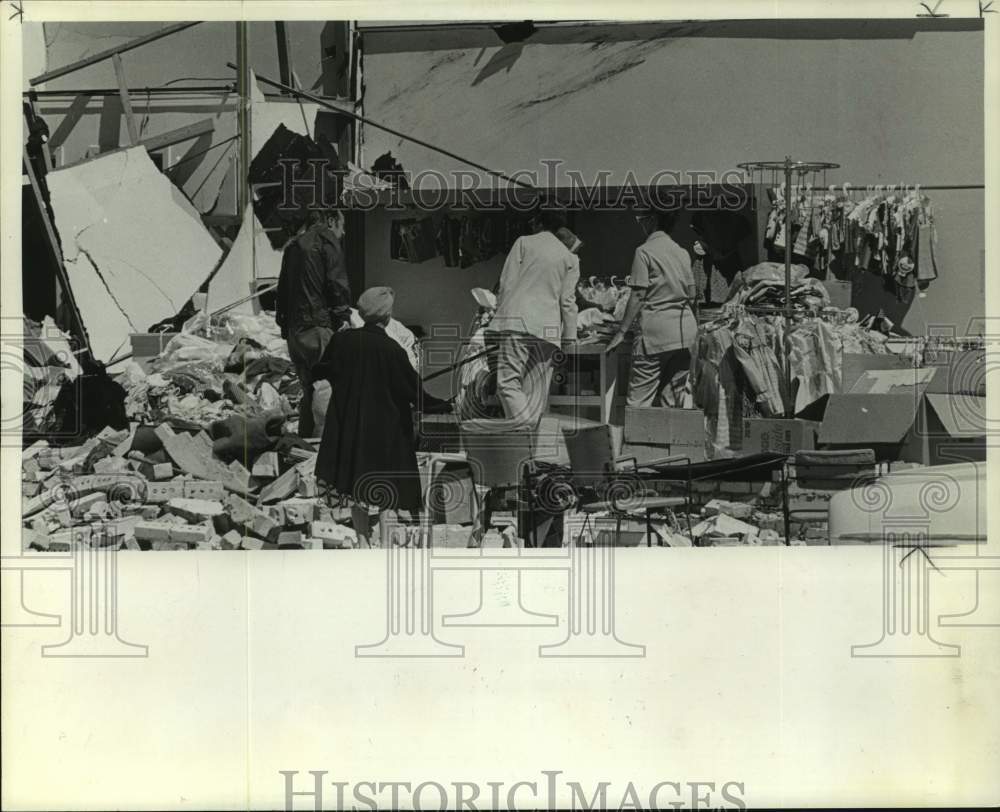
<point>763,286</point>
<point>235,364</point>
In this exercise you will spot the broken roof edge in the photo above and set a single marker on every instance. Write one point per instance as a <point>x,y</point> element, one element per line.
<point>446,35</point>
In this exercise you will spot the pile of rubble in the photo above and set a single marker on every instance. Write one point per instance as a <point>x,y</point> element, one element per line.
<point>159,489</point>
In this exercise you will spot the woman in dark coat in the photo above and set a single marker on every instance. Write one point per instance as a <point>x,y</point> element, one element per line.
<point>368,451</point>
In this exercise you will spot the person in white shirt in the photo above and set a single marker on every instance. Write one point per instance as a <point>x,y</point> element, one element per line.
<point>536,313</point>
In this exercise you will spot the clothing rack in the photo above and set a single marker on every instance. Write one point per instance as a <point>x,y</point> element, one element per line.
<point>788,167</point>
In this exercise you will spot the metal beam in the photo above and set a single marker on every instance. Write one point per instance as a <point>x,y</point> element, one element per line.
<point>172,137</point>
<point>133,128</point>
<point>111,91</point>
<point>70,120</point>
<point>138,42</point>
<point>284,63</point>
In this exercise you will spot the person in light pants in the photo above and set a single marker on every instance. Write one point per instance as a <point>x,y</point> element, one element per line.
<point>536,312</point>
<point>663,289</point>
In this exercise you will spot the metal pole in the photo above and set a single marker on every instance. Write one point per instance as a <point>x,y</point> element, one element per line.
<point>789,407</point>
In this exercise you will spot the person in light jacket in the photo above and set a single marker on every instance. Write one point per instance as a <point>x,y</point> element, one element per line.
<point>536,313</point>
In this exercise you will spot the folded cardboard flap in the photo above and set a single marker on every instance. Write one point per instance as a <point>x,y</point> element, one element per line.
<point>856,364</point>
<point>893,381</point>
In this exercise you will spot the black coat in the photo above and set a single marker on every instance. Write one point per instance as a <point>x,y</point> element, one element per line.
<point>368,449</point>
<point>313,289</point>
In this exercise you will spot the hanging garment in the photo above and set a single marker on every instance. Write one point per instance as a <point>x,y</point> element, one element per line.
<point>926,261</point>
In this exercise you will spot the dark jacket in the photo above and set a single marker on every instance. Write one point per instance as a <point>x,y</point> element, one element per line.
<point>313,289</point>
<point>368,449</point>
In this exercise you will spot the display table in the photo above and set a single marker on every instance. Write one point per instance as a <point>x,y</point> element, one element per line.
<point>607,377</point>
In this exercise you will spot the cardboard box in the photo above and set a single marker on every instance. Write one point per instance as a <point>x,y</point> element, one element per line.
<point>781,435</point>
<point>664,426</point>
<point>949,428</point>
<point>881,422</point>
<point>653,433</point>
<point>908,415</point>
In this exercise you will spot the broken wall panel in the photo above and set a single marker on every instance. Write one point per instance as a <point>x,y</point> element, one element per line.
<point>134,248</point>
<point>242,265</point>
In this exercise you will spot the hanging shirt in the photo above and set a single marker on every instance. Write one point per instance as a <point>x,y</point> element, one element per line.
<point>662,276</point>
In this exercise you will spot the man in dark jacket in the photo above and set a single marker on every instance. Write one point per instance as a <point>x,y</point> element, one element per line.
<point>313,300</point>
<point>368,450</point>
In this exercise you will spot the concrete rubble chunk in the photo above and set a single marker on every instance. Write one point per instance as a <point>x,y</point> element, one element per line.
<point>267,465</point>
<point>194,510</point>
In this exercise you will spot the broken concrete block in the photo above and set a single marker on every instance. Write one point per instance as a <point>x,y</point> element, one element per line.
<point>124,526</point>
<point>131,544</point>
<point>277,513</point>
<point>738,510</point>
<point>308,486</point>
<point>111,465</point>
<point>241,511</point>
<point>34,449</point>
<point>251,543</point>
<point>282,488</point>
<point>299,511</point>
<point>149,512</point>
<point>204,489</point>
<point>80,506</point>
<point>30,469</point>
<point>29,489</point>
<point>289,540</point>
<point>265,527</point>
<point>100,510</point>
<point>191,533</point>
<point>231,540</point>
<point>267,465</point>
<point>159,492</point>
<point>156,472</point>
<point>312,544</point>
<point>152,531</point>
<point>194,510</point>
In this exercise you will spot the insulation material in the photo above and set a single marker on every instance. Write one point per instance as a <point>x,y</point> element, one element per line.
<point>134,248</point>
<point>242,265</point>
